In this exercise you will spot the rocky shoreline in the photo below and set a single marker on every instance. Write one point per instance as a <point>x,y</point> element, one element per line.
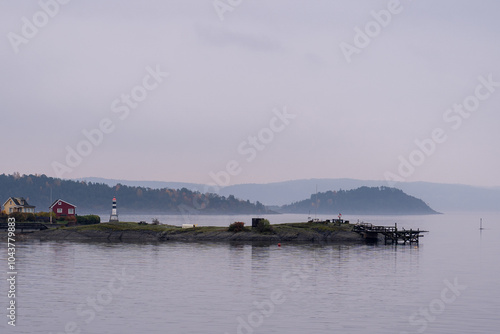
<point>281,233</point>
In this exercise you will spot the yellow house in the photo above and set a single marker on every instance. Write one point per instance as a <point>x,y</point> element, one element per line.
<point>17,204</point>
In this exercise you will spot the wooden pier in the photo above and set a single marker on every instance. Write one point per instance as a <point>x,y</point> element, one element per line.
<point>391,233</point>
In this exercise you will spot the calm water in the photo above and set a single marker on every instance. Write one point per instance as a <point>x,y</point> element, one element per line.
<point>449,284</point>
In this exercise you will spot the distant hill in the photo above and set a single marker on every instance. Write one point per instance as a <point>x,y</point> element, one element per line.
<point>90,197</point>
<point>439,196</point>
<point>364,200</point>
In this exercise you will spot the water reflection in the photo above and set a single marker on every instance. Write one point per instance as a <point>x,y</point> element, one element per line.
<point>204,287</point>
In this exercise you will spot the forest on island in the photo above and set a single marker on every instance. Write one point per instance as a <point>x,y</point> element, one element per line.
<point>363,200</point>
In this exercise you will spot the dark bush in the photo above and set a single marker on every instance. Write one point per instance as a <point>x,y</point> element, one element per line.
<point>30,217</point>
<point>19,216</point>
<point>46,215</point>
<point>42,219</point>
<point>236,227</point>
<point>88,220</point>
<point>61,218</point>
<point>264,226</point>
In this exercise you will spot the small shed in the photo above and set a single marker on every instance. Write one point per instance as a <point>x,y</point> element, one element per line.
<point>63,208</point>
<point>256,221</point>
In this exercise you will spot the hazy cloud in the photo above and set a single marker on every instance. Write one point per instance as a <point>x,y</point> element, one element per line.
<point>354,119</point>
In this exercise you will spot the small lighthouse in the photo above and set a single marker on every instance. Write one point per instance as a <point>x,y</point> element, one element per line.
<point>114,214</point>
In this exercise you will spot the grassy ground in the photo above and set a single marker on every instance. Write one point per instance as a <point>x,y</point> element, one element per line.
<point>129,231</point>
<point>130,226</point>
<point>277,228</point>
<point>315,226</point>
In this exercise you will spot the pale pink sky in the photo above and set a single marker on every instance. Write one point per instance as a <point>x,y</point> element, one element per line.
<point>277,90</point>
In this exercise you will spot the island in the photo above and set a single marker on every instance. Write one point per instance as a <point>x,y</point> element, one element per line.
<point>363,200</point>
<point>307,232</point>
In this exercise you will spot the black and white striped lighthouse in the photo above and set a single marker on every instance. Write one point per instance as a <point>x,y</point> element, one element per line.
<point>114,213</point>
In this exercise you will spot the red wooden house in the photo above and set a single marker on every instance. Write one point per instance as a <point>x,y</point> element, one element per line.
<point>63,208</point>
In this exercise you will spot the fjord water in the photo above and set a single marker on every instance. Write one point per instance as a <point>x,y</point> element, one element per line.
<point>447,284</point>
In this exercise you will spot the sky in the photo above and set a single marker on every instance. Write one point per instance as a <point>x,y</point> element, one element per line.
<point>251,91</point>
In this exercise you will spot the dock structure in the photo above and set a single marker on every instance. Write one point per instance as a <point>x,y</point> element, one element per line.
<point>391,233</point>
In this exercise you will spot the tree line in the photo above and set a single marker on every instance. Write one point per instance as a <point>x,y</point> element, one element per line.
<point>91,197</point>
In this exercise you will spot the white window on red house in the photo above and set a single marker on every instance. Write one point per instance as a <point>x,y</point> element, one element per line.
<point>59,210</point>
<point>71,211</point>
